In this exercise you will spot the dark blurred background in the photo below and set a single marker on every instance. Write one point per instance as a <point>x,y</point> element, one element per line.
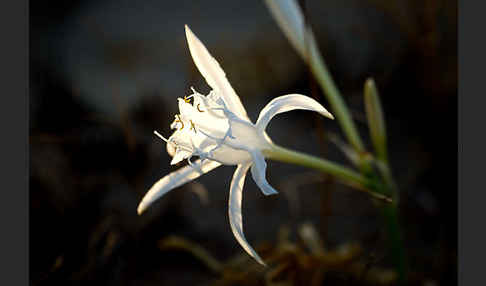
<point>105,74</point>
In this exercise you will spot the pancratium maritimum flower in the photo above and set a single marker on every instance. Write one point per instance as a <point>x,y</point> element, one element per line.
<point>217,129</point>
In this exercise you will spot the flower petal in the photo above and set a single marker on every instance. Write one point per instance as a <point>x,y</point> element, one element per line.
<point>171,149</point>
<point>179,156</point>
<point>214,75</point>
<point>207,120</point>
<point>234,209</point>
<point>258,173</point>
<point>289,16</point>
<point>287,103</point>
<point>174,180</point>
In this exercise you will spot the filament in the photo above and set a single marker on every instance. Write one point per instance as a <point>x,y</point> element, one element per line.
<point>192,126</point>
<point>187,99</point>
<point>178,119</point>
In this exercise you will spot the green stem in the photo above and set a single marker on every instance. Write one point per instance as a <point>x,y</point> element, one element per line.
<point>345,174</point>
<point>341,112</point>
<point>338,106</point>
<point>390,213</point>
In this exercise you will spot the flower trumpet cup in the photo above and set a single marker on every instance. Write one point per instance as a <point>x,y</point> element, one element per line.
<point>216,128</point>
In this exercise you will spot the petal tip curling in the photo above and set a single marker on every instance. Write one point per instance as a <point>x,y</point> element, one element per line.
<point>287,103</point>
<point>271,192</point>
<point>328,115</point>
<point>234,210</point>
<point>215,76</point>
<point>141,208</point>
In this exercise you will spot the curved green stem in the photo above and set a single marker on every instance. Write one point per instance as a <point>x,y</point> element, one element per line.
<point>345,174</point>
<point>338,106</point>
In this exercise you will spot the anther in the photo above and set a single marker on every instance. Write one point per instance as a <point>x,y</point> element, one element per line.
<point>193,126</point>
<point>187,99</point>
<point>198,109</point>
<point>180,121</point>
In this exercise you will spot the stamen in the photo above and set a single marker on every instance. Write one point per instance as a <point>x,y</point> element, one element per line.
<point>162,137</point>
<point>187,99</point>
<point>198,109</point>
<point>193,127</point>
<point>166,140</point>
<point>177,146</point>
<point>178,119</point>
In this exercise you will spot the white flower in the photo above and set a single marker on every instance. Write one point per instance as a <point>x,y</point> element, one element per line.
<point>217,129</point>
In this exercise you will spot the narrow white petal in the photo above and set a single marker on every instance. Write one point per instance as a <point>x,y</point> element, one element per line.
<point>234,210</point>
<point>214,74</point>
<point>258,173</point>
<point>179,156</point>
<point>287,103</point>
<point>289,16</point>
<point>174,180</point>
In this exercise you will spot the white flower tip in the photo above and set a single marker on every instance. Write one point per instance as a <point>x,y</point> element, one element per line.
<point>322,111</point>
<point>146,201</point>
<point>189,33</point>
<point>141,207</point>
<point>271,191</point>
<point>260,261</point>
<point>328,115</point>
